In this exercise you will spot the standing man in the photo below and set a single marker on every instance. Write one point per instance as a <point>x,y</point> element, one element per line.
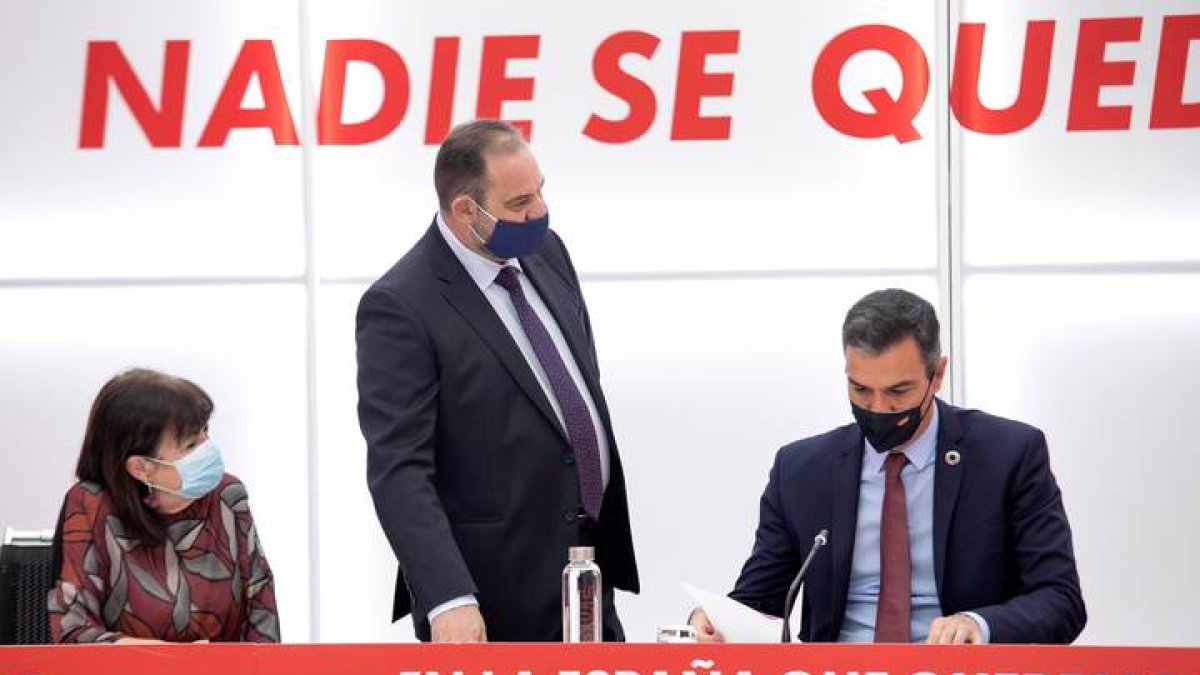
<point>490,450</point>
<point>945,525</point>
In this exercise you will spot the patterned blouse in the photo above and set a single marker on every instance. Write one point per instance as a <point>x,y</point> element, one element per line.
<point>208,581</point>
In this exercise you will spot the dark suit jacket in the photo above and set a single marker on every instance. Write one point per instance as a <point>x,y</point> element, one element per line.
<point>1001,541</point>
<point>472,474</point>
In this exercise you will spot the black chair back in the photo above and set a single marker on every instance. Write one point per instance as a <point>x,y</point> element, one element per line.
<point>26,576</point>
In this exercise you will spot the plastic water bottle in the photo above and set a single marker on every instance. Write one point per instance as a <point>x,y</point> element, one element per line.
<point>581,590</point>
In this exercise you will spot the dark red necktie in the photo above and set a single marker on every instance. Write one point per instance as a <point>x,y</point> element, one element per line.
<point>895,565</point>
<point>576,416</point>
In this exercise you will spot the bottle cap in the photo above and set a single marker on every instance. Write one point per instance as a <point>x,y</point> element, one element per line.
<point>581,554</point>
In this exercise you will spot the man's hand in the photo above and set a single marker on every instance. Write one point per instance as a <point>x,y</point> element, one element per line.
<point>705,631</point>
<point>954,630</point>
<point>461,624</point>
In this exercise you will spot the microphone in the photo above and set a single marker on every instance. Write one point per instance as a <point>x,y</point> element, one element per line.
<point>789,602</point>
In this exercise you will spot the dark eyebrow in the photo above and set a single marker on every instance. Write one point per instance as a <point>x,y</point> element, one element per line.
<point>524,195</point>
<point>898,385</point>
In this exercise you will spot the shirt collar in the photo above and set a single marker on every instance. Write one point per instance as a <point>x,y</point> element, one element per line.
<point>920,452</point>
<point>482,270</point>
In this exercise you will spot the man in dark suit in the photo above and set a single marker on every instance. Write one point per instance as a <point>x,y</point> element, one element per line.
<point>945,525</point>
<point>490,450</point>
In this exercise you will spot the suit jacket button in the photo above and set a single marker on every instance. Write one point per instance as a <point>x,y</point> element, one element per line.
<point>570,516</point>
<point>568,459</point>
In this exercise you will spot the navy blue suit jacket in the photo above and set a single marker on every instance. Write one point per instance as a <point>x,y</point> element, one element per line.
<point>1001,541</point>
<point>471,472</point>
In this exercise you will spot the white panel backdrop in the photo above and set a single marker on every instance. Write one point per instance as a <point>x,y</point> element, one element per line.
<point>1107,365</point>
<point>1065,265</point>
<point>785,192</point>
<point>128,210</point>
<point>1079,268</point>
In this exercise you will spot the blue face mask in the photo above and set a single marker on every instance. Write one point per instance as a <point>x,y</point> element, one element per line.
<point>199,471</point>
<point>515,239</point>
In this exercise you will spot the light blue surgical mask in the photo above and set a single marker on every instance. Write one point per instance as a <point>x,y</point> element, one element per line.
<point>199,471</point>
<point>514,239</point>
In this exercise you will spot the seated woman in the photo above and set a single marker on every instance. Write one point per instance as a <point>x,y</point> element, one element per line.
<point>157,542</point>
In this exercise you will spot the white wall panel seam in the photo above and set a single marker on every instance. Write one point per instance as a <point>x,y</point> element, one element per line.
<point>722,275</point>
<point>953,303</point>
<point>1086,269</point>
<point>942,169</point>
<point>310,323</point>
<point>105,282</point>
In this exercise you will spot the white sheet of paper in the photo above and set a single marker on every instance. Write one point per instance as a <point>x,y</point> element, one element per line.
<point>737,622</point>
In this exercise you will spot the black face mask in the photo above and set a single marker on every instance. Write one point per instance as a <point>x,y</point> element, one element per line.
<point>883,430</point>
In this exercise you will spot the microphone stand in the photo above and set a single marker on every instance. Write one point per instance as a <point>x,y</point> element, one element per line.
<point>789,602</point>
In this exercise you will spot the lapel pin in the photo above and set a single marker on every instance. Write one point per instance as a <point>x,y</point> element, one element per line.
<point>953,458</point>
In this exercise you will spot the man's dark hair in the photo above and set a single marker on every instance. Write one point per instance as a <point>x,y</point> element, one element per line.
<point>884,318</point>
<point>461,166</point>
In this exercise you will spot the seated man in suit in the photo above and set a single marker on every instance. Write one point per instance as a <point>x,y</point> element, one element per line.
<point>945,524</point>
<point>490,449</point>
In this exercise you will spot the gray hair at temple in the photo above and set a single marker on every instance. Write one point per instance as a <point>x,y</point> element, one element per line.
<point>885,318</point>
<point>461,165</point>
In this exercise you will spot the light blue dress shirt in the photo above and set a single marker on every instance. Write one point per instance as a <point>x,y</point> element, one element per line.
<point>863,597</point>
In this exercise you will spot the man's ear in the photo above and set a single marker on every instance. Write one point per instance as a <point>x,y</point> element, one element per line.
<point>939,373</point>
<point>138,467</point>
<point>462,208</point>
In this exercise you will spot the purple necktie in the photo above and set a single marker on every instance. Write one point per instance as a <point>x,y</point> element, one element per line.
<point>575,413</point>
<point>895,564</point>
